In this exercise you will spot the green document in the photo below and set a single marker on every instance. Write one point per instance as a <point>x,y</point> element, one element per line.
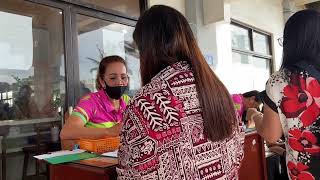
<point>70,158</point>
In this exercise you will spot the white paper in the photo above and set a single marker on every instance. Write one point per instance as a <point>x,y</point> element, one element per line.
<point>59,153</point>
<point>111,154</point>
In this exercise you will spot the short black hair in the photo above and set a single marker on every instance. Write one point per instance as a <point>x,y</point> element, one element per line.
<point>252,93</point>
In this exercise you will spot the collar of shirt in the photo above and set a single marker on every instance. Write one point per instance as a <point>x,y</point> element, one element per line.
<point>108,105</point>
<point>180,65</point>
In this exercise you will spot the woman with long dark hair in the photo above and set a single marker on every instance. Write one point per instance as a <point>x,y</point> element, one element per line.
<point>292,97</point>
<point>182,124</point>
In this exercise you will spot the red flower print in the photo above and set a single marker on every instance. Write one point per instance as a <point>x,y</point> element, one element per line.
<point>303,141</point>
<point>302,98</point>
<point>297,171</point>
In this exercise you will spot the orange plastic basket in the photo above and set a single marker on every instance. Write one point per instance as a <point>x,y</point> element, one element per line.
<point>100,145</point>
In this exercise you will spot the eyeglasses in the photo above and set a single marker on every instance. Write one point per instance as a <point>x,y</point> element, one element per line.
<point>117,79</point>
<point>280,41</point>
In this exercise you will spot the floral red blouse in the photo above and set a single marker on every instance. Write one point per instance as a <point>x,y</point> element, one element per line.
<point>162,137</point>
<point>296,98</point>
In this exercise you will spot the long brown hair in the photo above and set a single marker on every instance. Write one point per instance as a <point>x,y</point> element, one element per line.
<point>103,66</point>
<point>163,37</point>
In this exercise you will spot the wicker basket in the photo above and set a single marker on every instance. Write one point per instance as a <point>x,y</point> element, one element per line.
<point>100,145</point>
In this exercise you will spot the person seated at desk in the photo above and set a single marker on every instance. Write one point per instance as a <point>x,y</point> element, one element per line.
<point>99,114</point>
<point>250,99</point>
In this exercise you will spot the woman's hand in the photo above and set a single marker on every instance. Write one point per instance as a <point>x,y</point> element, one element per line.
<point>74,128</point>
<point>268,124</point>
<point>251,112</point>
<point>278,150</point>
<point>114,130</point>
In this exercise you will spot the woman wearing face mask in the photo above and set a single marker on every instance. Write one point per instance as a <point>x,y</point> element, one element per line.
<point>99,114</point>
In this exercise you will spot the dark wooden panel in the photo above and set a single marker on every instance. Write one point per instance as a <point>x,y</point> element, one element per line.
<point>74,171</point>
<point>253,166</point>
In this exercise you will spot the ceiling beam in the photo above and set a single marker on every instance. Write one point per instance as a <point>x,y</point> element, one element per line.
<point>304,2</point>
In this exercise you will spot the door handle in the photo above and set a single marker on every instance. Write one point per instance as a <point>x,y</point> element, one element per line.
<point>254,142</point>
<point>65,115</point>
<point>70,109</point>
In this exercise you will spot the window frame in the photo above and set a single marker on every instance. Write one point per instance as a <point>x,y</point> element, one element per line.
<point>87,5</point>
<point>70,8</point>
<point>6,99</point>
<point>252,52</point>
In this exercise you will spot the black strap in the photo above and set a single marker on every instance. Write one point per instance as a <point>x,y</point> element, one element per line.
<point>309,68</point>
<point>266,100</point>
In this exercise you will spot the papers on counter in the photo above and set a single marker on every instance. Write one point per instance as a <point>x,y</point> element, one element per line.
<point>113,154</point>
<point>59,153</point>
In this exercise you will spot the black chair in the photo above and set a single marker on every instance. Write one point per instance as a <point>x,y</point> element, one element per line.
<point>41,146</point>
<point>4,131</point>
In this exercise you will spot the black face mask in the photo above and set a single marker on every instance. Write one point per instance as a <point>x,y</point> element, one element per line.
<point>115,92</point>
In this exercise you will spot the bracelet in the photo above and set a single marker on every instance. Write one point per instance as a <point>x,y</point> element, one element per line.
<point>256,114</point>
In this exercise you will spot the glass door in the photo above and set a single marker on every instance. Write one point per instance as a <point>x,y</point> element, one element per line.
<point>96,38</point>
<point>32,75</point>
<point>32,72</point>
<point>50,52</point>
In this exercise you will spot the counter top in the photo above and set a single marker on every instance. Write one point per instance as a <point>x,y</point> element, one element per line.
<point>250,130</point>
<point>27,121</point>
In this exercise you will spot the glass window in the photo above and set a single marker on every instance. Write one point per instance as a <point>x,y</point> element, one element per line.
<point>251,59</point>
<point>240,38</point>
<point>261,69</point>
<point>4,95</point>
<point>128,7</point>
<point>98,39</point>
<point>10,94</point>
<point>249,73</point>
<point>32,76</point>
<point>261,43</point>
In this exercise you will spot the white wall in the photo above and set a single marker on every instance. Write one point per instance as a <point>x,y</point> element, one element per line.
<point>177,4</point>
<point>214,39</point>
<point>264,15</point>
